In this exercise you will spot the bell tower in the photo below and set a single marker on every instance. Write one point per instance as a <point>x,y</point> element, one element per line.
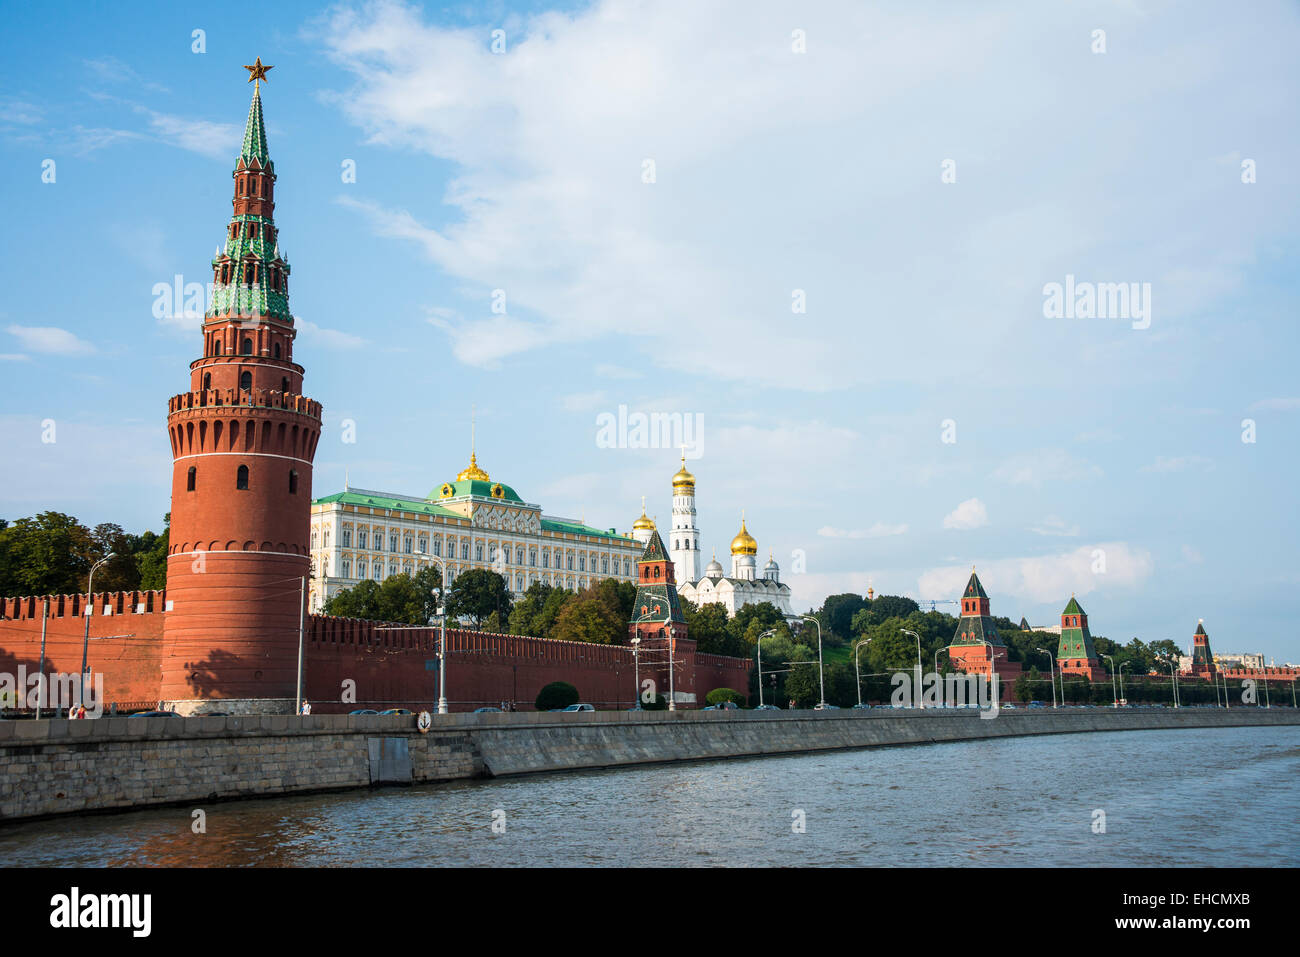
<point>243,439</point>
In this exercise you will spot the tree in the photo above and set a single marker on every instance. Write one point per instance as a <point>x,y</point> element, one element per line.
<point>837,611</point>
<point>707,626</point>
<point>359,601</point>
<point>557,694</point>
<point>619,596</point>
<point>719,695</point>
<point>49,554</point>
<point>476,594</point>
<point>588,618</point>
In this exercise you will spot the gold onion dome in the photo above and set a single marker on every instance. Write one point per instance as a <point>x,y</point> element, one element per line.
<point>743,543</point>
<point>643,522</point>
<point>683,479</point>
<point>473,473</point>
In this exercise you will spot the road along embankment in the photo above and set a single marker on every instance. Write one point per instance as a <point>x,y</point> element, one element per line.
<point>58,766</point>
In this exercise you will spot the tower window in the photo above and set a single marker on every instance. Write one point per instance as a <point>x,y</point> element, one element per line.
<point>246,381</point>
<point>207,381</point>
<point>246,347</point>
<point>284,382</point>
<point>190,479</point>
<point>241,478</point>
<point>293,481</point>
<point>277,355</point>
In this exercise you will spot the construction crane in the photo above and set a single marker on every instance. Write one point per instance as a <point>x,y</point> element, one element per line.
<point>937,601</point>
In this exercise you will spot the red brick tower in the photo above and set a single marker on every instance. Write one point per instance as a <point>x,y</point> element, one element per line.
<point>658,622</point>
<point>243,438</point>
<point>1202,659</point>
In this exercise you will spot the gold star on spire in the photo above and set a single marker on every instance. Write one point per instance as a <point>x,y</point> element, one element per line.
<point>257,72</point>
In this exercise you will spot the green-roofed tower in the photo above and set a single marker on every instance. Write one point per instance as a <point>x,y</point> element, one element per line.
<point>1075,653</point>
<point>976,647</point>
<point>1202,659</point>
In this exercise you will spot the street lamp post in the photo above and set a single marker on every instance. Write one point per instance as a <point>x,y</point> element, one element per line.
<point>857,671</point>
<point>759,645</point>
<point>672,703</point>
<point>1121,680</point>
<point>936,659</point>
<point>821,675</point>
<point>919,697</point>
<point>1051,670</point>
<point>1173,676</point>
<point>441,593</point>
<point>636,669</point>
<point>1112,678</point>
<point>90,607</point>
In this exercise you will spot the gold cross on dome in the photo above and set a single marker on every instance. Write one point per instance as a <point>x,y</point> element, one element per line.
<point>257,72</point>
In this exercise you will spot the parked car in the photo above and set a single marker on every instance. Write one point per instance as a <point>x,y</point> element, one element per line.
<point>1037,704</point>
<point>1011,707</point>
<point>578,707</point>
<point>767,707</point>
<point>722,706</point>
<point>397,711</point>
<point>154,714</point>
<point>861,707</point>
<point>364,711</point>
<point>487,711</point>
<point>823,706</point>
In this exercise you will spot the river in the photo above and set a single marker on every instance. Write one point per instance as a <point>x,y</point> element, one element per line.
<point>1205,797</point>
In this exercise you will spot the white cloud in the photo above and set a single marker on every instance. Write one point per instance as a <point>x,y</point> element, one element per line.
<point>52,340</point>
<point>1178,464</point>
<point>1054,525</point>
<point>878,530</point>
<point>584,401</point>
<point>1288,404</point>
<point>1049,465</point>
<point>327,338</point>
<point>1047,578</point>
<point>969,514</point>
<point>1191,555</point>
<point>549,140</point>
<point>14,357</point>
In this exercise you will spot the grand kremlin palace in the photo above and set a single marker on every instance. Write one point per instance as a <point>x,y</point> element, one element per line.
<point>469,523</point>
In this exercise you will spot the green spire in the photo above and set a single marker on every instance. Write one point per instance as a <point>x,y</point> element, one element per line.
<point>1073,608</point>
<point>255,136</point>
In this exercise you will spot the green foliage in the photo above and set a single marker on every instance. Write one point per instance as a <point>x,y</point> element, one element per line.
<point>474,595</point>
<point>660,703</point>
<point>405,599</point>
<point>557,694</point>
<point>750,622</point>
<point>719,695</point>
<point>837,613</point>
<point>52,553</point>
<point>588,617</point>
<point>709,627</point>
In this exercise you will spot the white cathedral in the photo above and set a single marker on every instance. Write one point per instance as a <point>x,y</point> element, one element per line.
<point>742,587</point>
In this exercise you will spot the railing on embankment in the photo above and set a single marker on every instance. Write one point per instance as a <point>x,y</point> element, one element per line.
<point>57,766</point>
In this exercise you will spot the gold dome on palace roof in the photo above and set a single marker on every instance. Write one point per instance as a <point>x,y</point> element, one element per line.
<point>743,543</point>
<point>683,479</point>
<point>473,473</point>
<point>643,523</point>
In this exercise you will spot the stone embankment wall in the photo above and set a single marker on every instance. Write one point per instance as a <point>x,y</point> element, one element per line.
<point>60,766</point>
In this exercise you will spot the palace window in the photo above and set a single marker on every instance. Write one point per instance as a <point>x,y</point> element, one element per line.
<point>519,556</point>
<point>327,538</point>
<point>478,553</point>
<point>627,566</point>
<point>437,546</point>
<point>313,538</point>
<point>361,539</point>
<point>392,542</point>
<point>546,559</point>
<point>423,545</point>
<point>392,568</point>
<point>190,479</point>
<point>361,569</point>
<point>582,563</point>
<point>569,561</point>
<point>347,538</point>
<point>532,557</point>
<point>408,545</point>
<point>464,550</point>
<point>241,478</point>
<point>347,568</point>
<point>604,565</point>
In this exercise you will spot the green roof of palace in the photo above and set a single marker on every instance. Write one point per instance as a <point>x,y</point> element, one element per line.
<point>389,502</point>
<point>1073,608</point>
<point>476,487</point>
<point>430,507</point>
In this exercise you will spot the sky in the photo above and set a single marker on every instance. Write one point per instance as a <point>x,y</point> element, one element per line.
<point>823,236</point>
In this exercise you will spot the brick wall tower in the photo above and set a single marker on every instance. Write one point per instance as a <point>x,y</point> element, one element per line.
<point>1202,659</point>
<point>658,621</point>
<point>968,651</point>
<point>243,438</point>
<point>1076,654</point>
